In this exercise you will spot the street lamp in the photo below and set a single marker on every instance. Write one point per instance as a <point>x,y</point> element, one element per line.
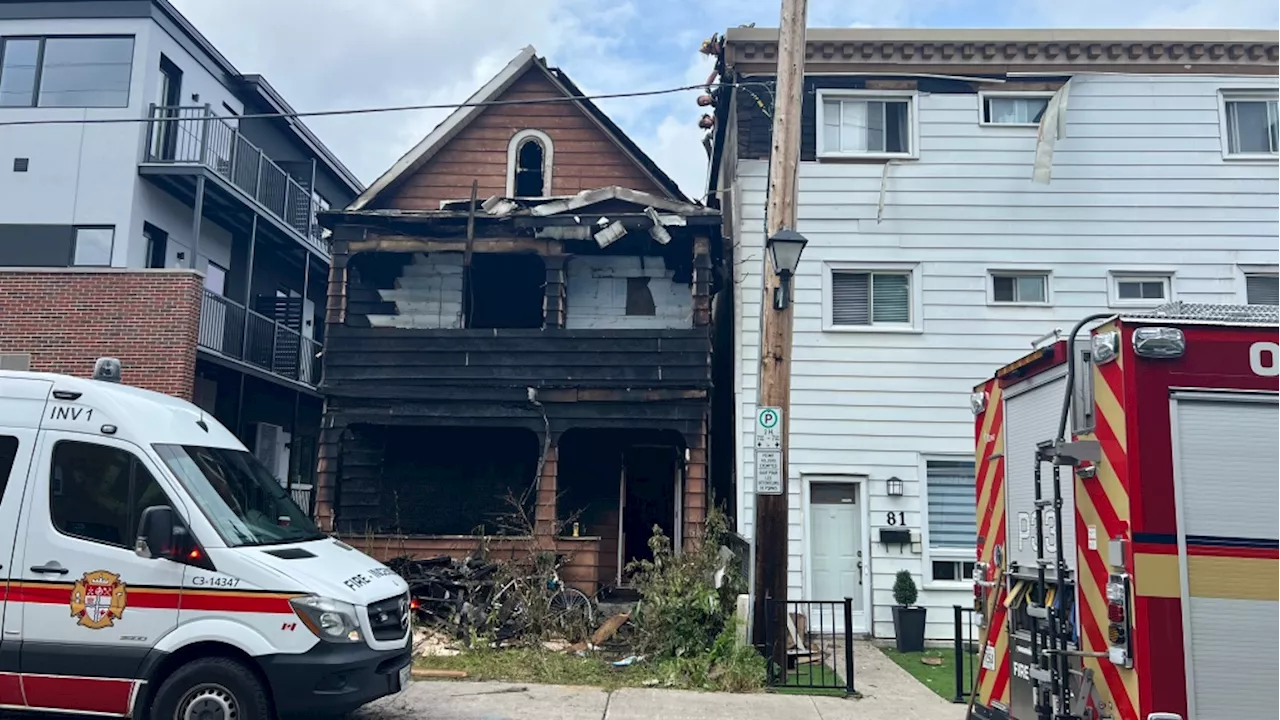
<point>785,247</point>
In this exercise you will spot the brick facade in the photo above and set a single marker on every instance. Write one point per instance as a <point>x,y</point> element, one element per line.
<point>66,319</point>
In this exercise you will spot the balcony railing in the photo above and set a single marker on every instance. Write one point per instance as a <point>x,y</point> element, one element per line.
<point>234,331</point>
<point>196,136</point>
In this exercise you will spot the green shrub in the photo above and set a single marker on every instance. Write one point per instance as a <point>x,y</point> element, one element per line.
<point>904,589</point>
<point>681,611</point>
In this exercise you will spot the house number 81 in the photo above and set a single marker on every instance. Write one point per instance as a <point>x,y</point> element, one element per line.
<point>898,518</point>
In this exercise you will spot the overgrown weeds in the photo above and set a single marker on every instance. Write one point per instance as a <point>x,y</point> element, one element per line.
<point>685,619</point>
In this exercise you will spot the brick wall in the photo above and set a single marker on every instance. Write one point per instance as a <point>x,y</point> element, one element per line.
<point>66,319</point>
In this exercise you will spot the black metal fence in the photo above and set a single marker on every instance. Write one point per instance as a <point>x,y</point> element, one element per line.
<point>966,659</point>
<point>818,646</point>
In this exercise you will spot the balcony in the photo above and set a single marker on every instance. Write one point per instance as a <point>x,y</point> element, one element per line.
<point>196,138</point>
<point>235,332</point>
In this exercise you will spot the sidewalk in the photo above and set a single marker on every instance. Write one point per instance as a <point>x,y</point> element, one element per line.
<point>889,693</point>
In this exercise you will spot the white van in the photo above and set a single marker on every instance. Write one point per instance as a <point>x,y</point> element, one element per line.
<point>150,567</point>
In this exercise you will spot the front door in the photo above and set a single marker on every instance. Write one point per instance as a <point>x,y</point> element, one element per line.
<point>835,545</point>
<point>648,499</point>
<point>92,608</point>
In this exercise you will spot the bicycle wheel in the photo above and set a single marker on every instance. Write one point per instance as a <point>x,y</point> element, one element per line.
<point>572,612</point>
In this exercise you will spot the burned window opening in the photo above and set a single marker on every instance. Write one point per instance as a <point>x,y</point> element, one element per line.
<point>530,169</point>
<point>639,297</point>
<point>505,290</point>
<point>458,481</point>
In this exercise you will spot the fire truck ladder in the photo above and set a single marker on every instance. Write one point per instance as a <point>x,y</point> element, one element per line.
<point>1051,632</point>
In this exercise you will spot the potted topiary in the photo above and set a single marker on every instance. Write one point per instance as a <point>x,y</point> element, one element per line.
<point>908,621</point>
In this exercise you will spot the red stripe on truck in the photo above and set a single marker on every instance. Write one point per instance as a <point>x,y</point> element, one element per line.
<point>229,601</point>
<point>78,694</point>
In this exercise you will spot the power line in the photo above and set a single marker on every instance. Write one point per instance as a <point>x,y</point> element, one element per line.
<point>385,109</point>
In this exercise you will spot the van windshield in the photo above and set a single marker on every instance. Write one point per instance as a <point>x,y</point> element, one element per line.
<point>238,495</point>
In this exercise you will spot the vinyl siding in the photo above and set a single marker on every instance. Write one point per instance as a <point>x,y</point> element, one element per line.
<point>1139,183</point>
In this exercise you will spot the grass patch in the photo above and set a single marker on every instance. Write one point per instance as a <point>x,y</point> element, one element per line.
<point>812,674</point>
<point>938,678</point>
<point>535,665</point>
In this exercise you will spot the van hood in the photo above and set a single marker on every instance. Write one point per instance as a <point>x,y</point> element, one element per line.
<point>329,568</point>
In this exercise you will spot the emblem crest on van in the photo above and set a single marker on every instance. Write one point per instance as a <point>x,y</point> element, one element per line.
<point>98,600</point>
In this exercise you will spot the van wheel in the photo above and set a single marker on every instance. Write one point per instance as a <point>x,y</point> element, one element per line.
<point>211,689</point>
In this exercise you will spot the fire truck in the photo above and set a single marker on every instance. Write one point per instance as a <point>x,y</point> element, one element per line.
<point>1127,494</point>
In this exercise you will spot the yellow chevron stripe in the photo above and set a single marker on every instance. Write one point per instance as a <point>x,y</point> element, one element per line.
<point>987,449</point>
<point>1002,650</point>
<point>996,516</point>
<point>1109,481</point>
<point>1109,407</point>
<point>1092,597</point>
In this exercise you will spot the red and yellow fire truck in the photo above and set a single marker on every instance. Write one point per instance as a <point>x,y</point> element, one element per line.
<point>1127,516</point>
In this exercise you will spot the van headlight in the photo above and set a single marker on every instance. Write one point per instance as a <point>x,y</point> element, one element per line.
<point>331,620</point>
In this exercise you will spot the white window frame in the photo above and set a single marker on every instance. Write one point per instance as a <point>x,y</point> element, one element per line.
<point>548,158</point>
<point>1254,94</point>
<point>954,554</point>
<point>1115,277</point>
<point>983,95</point>
<point>917,297</point>
<point>1247,270</point>
<point>913,123</point>
<point>992,273</point>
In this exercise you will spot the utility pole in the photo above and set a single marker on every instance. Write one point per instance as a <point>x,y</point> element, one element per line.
<point>775,331</point>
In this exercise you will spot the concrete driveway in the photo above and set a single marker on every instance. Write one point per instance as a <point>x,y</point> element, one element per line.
<point>888,693</point>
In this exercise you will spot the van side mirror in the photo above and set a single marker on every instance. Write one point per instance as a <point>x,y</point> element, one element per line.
<point>156,533</point>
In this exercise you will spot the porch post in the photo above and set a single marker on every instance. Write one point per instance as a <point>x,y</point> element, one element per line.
<point>544,514</point>
<point>695,488</point>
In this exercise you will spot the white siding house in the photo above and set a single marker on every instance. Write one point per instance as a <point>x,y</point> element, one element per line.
<point>923,277</point>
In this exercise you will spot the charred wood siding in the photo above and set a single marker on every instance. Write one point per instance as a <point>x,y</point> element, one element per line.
<point>364,362</point>
<point>584,156</point>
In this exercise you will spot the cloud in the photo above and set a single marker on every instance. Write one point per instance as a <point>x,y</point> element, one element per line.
<point>331,54</point>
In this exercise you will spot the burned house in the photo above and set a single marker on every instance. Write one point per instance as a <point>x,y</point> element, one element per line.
<point>519,341</point>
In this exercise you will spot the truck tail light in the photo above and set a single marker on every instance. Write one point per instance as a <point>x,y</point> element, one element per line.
<point>1118,628</point>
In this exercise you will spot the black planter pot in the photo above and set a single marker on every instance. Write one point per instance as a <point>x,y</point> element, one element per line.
<point>908,628</point>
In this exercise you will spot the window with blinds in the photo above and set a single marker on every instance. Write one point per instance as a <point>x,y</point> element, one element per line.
<point>870,298</point>
<point>1262,289</point>
<point>952,504</point>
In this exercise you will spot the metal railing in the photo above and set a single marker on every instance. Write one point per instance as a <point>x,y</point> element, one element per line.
<point>231,329</point>
<point>819,645</point>
<point>965,660</point>
<point>196,136</point>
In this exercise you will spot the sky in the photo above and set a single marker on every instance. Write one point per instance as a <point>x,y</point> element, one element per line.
<point>338,54</point>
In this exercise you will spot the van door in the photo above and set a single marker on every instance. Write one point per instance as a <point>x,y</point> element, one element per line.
<point>93,608</point>
<point>22,403</point>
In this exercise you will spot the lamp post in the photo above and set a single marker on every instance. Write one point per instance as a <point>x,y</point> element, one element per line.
<point>785,248</point>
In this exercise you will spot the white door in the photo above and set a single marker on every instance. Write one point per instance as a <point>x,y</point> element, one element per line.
<point>835,547</point>
<point>92,607</point>
<point>1226,459</point>
<point>22,405</point>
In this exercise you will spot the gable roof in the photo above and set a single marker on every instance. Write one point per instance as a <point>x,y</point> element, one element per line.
<point>525,61</point>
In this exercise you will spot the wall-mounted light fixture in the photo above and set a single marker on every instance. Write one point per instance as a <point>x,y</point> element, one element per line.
<point>894,486</point>
<point>785,247</point>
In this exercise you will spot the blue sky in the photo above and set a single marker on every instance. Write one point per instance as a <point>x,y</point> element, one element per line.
<point>331,54</point>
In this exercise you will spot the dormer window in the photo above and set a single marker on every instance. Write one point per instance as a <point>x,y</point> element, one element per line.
<point>529,164</point>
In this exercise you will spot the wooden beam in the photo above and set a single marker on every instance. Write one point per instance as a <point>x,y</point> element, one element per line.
<point>401,243</point>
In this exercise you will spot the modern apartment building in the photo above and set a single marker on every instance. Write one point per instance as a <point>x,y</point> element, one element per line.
<point>963,193</point>
<point>145,213</point>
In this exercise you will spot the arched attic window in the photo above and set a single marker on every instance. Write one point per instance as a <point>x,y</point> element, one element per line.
<point>529,156</point>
